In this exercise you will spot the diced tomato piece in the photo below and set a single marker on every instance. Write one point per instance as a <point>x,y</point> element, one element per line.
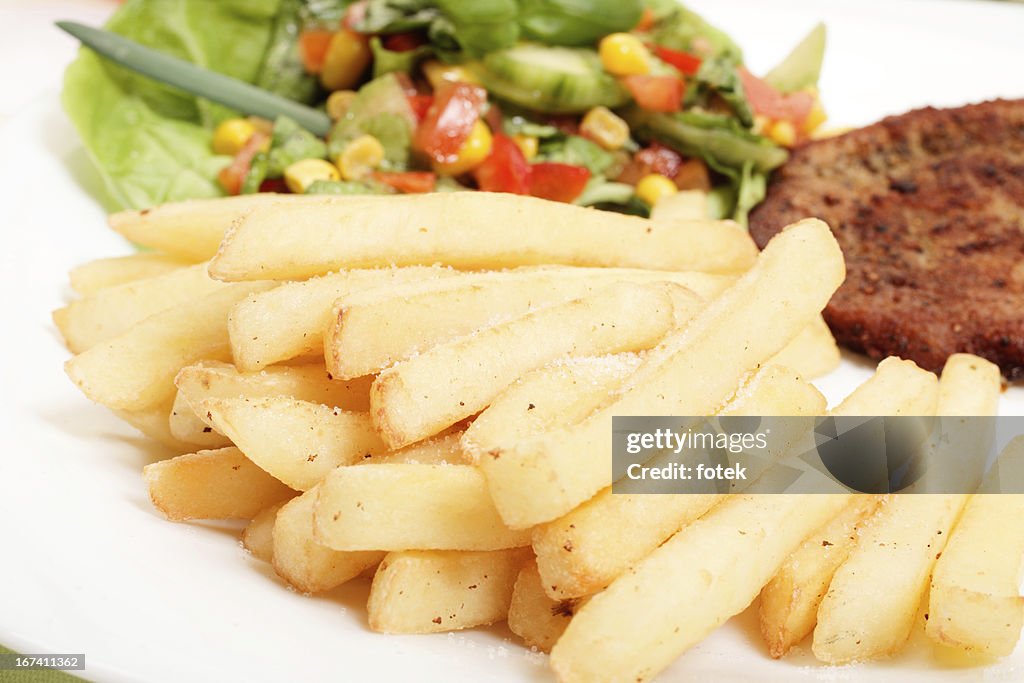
<point>557,182</point>
<point>313,45</point>
<point>354,15</point>
<point>273,185</point>
<point>493,117</point>
<point>420,105</point>
<point>570,125</point>
<point>505,169</point>
<point>232,175</point>
<point>683,61</point>
<point>449,121</point>
<point>405,81</point>
<point>656,158</point>
<point>410,182</point>
<point>646,21</point>
<point>656,93</point>
<point>693,175</point>
<point>767,101</point>
<point>403,42</point>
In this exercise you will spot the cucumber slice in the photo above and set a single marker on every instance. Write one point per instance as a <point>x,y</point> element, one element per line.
<point>554,80</point>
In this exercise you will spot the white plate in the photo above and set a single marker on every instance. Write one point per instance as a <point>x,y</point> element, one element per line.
<point>87,566</point>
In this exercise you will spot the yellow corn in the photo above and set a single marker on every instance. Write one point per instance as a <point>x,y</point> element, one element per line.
<point>623,54</point>
<point>438,73</point>
<point>602,126</point>
<point>527,144</point>
<point>348,55</point>
<point>473,151</point>
<point>300,175</point>
<point>360,157</point>
<point>231,135</point>
<point>816,117</point>
<point>654,187</point>
<point>783,133</point>
<point>761,124</point>
<point>338,103</point>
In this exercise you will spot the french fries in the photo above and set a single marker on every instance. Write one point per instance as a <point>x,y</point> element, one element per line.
<point>99,317</point>
<point>812,353</point>
<point>539,479</point>
<point>191,230</point>
<point>533,615</point>
<point>410,507</point>
<point>374,329</point>
<point>89,278</point>
<point>258,537</point>
<point>153,424</point>
<point>221,380</point>
<point>297,442</point>
<point>136,369</point>
<point>305,564</point>
<point>975,602</point>
<point>708,572</point>
<point>467,230</point>
<point>585,550</point>
<point>289,321</point>
<point>427,591</point>
<point>687,205</point>
<point>423,395</point>
<point>218,484</point>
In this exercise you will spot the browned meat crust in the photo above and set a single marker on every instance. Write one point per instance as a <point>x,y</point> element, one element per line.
<point>929,210</point>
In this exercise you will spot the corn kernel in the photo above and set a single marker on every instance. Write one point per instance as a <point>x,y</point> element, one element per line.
<point>438,74</point>
<point>783,133</point>
<point>300,175</point>
<point>527,144</point>
<point>655,187</point>
<point>761,124</point>
<point>347,57</point>
<point>360,157</point>
<point>602,126</point>
<point>816,117</point>
<point>623,54</point>
<point>338,103</point>
<point>473,151</point>
<point>231,135</point>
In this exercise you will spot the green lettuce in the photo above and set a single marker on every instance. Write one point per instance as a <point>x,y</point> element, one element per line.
<point>150,142</point>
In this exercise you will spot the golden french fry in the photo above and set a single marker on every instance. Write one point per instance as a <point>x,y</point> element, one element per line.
<point>534,616</point>
<point>427,591</point>
<point>467,230</point>
<point>221,380</point>
<point>812,353</point>
<point>708,572</point>
<point>410,507</point>
<point>374,329</point>
<point>136,369</point>
<point>289,321</point>
<point>687,205</point>
<point>304,563</point>
<point>298,442</point>
<point>585,550</point>
<point>258,537</point>
<point>970,386</point>
<point>193,229</point>
<point>421,396</point>
<point>153,423</point>
<point>89,278</point>
<point>219,484</point>
<point>100,317</point>
<point>539,479</point>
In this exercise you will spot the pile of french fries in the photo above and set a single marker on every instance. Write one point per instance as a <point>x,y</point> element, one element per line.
<point>422,387</point>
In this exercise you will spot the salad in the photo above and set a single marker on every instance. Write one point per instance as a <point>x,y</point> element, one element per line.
<point>608,103</point>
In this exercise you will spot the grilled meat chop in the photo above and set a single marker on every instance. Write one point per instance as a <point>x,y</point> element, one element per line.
<point>929,210</point>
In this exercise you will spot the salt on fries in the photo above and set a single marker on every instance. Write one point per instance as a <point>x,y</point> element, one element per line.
<point>361,379</point>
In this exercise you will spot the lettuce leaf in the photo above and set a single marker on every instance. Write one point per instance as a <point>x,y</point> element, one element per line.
<point>150,142</point>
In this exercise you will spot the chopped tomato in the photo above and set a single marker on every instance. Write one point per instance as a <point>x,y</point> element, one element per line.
<point>656,93</point>
<point>273,185</point>
<point>403,42</point>
<point>313,45</point>
<point>405,81</point>
<point>411,182</point>
<point>493,117</point>
<point>767,101</point>
<point>354,15</point>
<point>232,175</point>
<point>449,121</point>
<point>505,170</point>
<point>570,125</point>
<point>557,182</point>
<point>420,105</point>
<point>646,21</point>
<point>656,158</point>
<point>693,175</point>
<point>683,61</point>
